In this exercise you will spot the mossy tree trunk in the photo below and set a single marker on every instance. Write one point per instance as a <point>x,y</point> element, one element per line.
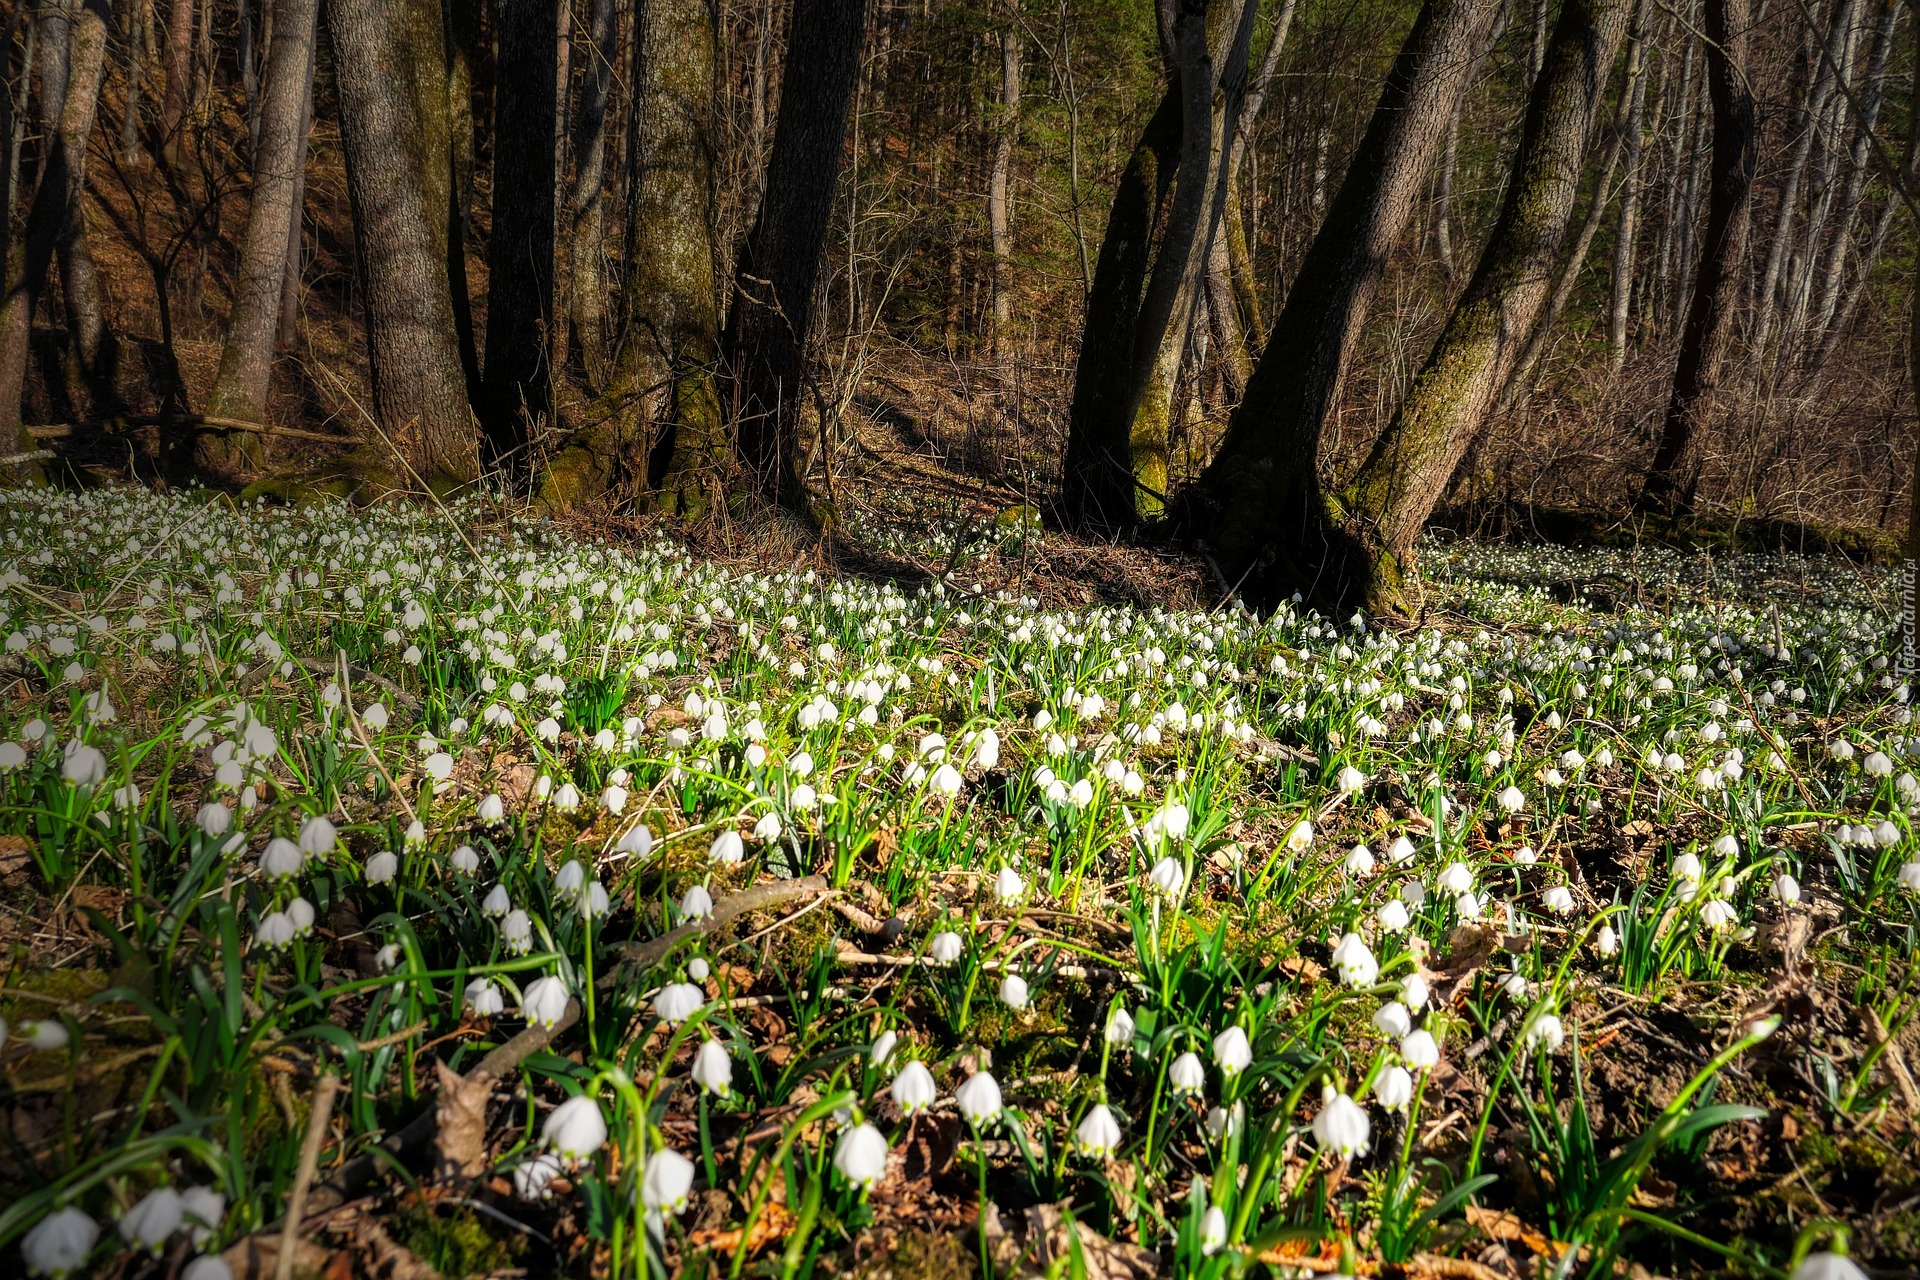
<point>656,433</point>
<point>772,307</point>
<point>1675,474</point>
<point>1153,262</point>
<point>1259,505</point>
<point>518,388</point>
<point>56,204</point>
<point>246,358</point>
<point>1412,461</point>
<point>586,261</point>
<point>397,132</point>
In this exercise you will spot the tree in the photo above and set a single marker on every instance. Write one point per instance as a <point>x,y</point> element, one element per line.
<point>999,212</point>
<point>656,433</point>
<point>772,307</point>
<point>520,253</point>
<point>1152,262</point>
<point>1258,505</point>
<point>56,205</point>
<point>587,298</point>
<point>1412,461</point>
<point>396,128</point>
<point>1674,477</point>
<point>246,359</point>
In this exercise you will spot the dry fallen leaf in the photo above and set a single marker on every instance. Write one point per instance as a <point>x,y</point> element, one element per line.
<point>775,1221</point>
<point>460,1142</point>
<point>1507,1228</point>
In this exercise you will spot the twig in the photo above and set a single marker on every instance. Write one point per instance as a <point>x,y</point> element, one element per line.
<point>316,1137</point>
<point>71,430</point>
<point>758,898</point>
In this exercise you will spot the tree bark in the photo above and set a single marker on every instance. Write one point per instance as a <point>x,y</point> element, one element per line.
<point>772,306</point>
<point>391,72</point>
<point>1413,460</point>
<point>56,205</point>
<point>999,214</point>
<point>1674,477</point>
<point>1259,503</point>
<point>1833,273</point>
<point>520,250</point>
<point>246,359</point>
<point>588,298</point>
<point>657,430</point>
<point>1626,241</point>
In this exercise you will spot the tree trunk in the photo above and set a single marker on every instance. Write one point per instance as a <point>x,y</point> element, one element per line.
<point>1674,477</point>
<point>56,205</point>
<point>1833,273</point>
<point>136,71</point>
<point>459,47</point>
<point>999,215</point>
<point>520,250</point>
<point>391,71</point>
<point>173,113</point>
<point>246,361</point>
<point>1232,297</point>
<point>1443,193</point>
<point>1626,240</point>
<point>291,283</point>
<point>772,307</point>
<point>587,257</point>
<point>1118,436</point>
<point>1258,503</point>
<point>1412,461</point>
<point>658,425</point>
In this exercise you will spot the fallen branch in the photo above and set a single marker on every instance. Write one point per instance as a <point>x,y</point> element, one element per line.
<point>728,909</point>
<point>192,421</point>
<point>503,1061</point>
<point>317,1122</point>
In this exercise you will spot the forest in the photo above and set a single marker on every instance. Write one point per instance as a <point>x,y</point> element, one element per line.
<point>909,638</point>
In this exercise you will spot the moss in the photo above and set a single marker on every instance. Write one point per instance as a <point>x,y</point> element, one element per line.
<point>456,1241</point>
<point>920,1255</point>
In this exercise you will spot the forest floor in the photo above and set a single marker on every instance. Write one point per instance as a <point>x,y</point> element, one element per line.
<point>943,896</point>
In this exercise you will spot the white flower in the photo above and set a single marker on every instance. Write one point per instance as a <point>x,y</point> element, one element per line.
<point>493,810</point>
<point>567,798</point>
<point>1013,991</point>
<point>1342,1127</point>
<point>318,835</point>
<point>861,1156</point>
<point>666,1182</point>
<point>381,867</point>
<point>274,931</point>
<point>1786,889</point>
<point>465,860</point>
<point>636,840</point>
<point>1413,992</point>
<point>155,1217</point>
<point>945,781</point>
<point>1559,900</point>
<point>882,1048</point>
<point>979,1099</point>
<point>1187,1076</point>
<point>1546,1030</point>
<point>1719,915</point>
<point>1420,1050</point>
<point>204,1209</point>
<point>1512,799</point>
<point>1393,1020</point>
<point>1394,1088</point>
<point>214,819</point>
<point>713,1068</point>
<point>575,1130</point>
<point>678,1001</point>
<point>1355,962</point>
<point>1169,878</point>
<point>1827,1266</point>
<point>1909,876</point>
<point>496,903</point>
<point>1359,862</point>
<point>1606,942</point>
<point>1213,1230</point>
<point>83,766</point>
<point>1232,1052</point>
<point>1300,837</point>
<point>484,998</point>
<point>544,1002</point>
<point>570,879</point>
<point>300,912</point>
<point>517,932</point>
<point>1393,916</point>
<point>1350,780</point>
<point>728,847</point>
<point>1401,850</point>
<point>59,1244</point>
<point>532,1180</point>
<point>913,1089</point>
<point>614,799</point>
<point>696,903</point>
<point>944,948</point>
<point>1457,878</point>
<point>1119,1029</point>
<point>281,859</point>
<point>1099,1133</point>
<point>1008,887</point>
